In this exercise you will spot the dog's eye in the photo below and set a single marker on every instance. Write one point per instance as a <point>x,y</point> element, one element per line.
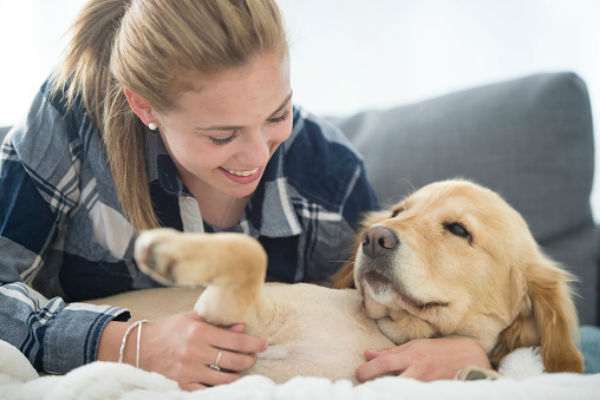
<point>397,211</point>
<point>459,230</point>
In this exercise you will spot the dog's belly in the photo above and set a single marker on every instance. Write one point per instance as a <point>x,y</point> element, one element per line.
<point>316,332</point>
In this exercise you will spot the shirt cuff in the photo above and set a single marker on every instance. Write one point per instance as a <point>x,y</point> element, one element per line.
<point>72,337</point>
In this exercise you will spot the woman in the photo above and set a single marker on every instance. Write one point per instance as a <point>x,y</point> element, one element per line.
<point>173,113</point>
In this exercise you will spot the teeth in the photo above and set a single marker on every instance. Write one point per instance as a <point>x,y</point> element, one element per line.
<point>241,173</point>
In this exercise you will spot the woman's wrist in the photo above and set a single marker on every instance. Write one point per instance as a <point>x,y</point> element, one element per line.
<point>136,325</point>
<point>111,340</point>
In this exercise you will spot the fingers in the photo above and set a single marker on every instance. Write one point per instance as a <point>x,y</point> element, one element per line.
<point>230,360</point>
<point>213,377</point>
<point>424,359</point>
<point>233,340</point>
<point>371,354</point>
<point>198,374</point>
<point>239,328</point>
<point>229,365</point>
<point>380,363</point>
<point>417,373</point>
<point>230,349</point>
<point>186,357</point>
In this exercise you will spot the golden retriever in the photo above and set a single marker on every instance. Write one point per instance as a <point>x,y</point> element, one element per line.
<point>452,259</point>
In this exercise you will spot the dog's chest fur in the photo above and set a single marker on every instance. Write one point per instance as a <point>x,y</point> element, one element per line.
<point>316,331</point>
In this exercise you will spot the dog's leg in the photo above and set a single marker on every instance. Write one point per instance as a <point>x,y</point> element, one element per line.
<point>233,266</point>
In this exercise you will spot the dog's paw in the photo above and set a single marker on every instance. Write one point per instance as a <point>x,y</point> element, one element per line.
<point>154,254</point>
<point>474,373</point>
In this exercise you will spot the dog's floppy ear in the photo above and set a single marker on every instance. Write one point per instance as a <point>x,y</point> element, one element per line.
<point>548,319</point>
<point>344,277</point>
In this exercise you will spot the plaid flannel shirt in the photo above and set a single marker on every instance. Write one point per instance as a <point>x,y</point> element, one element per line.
<point>64,239</point>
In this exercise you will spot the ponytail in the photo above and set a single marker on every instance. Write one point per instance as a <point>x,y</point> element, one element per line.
<point>84,70</point>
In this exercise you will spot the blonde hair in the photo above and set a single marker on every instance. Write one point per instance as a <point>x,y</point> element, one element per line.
<point>149,46</point>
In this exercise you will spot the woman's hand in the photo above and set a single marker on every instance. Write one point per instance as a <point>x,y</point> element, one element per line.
<point>183,346</point>
<point>424,359</point>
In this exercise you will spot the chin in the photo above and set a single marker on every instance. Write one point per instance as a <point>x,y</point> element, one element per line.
<point>240,193</point>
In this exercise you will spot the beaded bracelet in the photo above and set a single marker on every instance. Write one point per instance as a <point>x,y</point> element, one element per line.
<point>139,335</point>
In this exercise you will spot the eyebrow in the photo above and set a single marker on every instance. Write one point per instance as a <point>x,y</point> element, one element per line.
<point>237,127</point>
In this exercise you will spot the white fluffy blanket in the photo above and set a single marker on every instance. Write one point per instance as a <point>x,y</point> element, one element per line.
<point>102,380</point>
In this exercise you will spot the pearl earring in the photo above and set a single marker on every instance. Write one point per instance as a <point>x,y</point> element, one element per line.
<point>152,126</point>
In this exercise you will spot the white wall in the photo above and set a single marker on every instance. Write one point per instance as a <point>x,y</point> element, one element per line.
<point>31,39</point>
<point>348,55</point>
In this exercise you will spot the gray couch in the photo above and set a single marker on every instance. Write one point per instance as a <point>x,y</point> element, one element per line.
<point>530,139</point>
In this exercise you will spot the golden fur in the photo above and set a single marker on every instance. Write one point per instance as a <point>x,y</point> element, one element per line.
<point>452,259</point>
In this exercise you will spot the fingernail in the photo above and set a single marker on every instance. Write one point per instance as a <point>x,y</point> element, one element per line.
<point>237,328</point>
<point>266,346</point>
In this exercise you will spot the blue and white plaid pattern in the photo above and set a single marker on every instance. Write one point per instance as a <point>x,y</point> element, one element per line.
<point>64,239</point>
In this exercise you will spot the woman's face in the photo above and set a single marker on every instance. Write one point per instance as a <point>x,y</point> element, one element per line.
<point>222,135</point>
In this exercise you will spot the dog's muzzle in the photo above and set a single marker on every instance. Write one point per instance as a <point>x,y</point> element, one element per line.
<point>379,241</point>
<point>377,247</point>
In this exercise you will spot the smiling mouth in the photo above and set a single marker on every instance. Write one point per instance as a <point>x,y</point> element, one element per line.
<point>378,282</point>
<point>242,177</point>
<point>242,173</point>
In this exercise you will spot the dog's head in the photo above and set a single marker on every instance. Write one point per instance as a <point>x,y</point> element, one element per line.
<point>455,259</point>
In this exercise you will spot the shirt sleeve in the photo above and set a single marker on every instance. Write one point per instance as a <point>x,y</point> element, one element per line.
<point>38,189</point>
<point>360,200</point>
<point>333,194</point>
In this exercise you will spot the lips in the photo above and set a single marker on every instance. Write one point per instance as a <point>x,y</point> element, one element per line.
<point>242,176</point>
<point>378,283</point>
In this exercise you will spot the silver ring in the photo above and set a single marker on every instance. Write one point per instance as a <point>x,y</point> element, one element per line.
<point>215,365</point>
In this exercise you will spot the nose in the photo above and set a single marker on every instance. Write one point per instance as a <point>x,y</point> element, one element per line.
<point>378,241</point>
<point>257,148</point>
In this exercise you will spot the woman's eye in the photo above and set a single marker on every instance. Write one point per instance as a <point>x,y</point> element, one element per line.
<point>222,141</point>
<point>280,118</point>
<point>459,230</point>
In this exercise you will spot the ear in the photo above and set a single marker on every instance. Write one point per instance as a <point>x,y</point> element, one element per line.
<point>344,277</point>
<point>555,316</point>
<point>140,106</point>
<point>550,320</point>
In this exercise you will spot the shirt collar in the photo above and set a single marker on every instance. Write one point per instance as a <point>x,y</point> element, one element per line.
<point>271,208</point>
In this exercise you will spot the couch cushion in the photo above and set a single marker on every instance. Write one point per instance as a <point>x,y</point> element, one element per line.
<point>530,139</point>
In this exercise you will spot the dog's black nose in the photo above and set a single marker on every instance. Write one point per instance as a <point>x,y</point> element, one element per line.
<point>378,241</point>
